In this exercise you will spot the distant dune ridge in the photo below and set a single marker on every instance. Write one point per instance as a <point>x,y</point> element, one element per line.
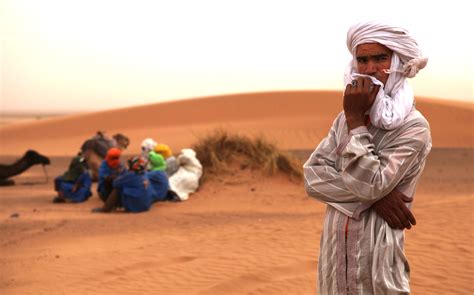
<point>292,119</point>
<point>242,232</point>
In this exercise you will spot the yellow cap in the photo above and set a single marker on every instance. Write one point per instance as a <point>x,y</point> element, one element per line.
<point>164,150</point>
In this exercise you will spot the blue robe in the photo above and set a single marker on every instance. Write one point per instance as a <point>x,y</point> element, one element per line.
<point>81,194</point>
<point>104,172</point>
<point>159,183</point>
<point>134,196</point>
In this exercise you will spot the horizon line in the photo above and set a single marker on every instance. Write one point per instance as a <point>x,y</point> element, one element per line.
<point>52,112</point>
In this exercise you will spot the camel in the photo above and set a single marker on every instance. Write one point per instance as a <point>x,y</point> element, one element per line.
<point>29,159</point>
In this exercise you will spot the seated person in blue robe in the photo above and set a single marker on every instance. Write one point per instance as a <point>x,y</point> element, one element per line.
<point>157,176</point>
<point>109,170</point>
<point>131,190</point>
<point>75,184</point>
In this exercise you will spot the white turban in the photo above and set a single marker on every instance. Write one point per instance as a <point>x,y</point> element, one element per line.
<point>394,100</point>
<point>148,145</point>
<point>395,38</point>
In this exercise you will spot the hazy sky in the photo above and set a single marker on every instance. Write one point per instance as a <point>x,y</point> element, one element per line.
<point>82,55</point>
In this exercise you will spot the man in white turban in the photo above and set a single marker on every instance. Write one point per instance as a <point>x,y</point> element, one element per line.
<point>394,99</point>
<point>367,168</point>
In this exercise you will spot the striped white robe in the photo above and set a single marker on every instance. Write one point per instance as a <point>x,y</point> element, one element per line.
<point>349,172</point>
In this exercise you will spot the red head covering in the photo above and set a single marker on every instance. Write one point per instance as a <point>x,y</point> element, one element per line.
<point>113,157</point>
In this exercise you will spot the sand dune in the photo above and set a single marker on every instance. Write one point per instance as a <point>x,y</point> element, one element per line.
<point>293,120</point>
<point>241,233</point>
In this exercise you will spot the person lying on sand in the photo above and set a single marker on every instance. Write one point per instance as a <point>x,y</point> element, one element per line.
<point>75,184</point>
<point>30,158</point>
<point>95,149</point>
<point>131,191</point>
<point>109,170</point>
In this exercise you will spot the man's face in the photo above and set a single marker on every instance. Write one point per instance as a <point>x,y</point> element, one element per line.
<point>372,59</point>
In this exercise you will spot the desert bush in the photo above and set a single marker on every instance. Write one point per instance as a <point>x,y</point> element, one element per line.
<point>219,151</point>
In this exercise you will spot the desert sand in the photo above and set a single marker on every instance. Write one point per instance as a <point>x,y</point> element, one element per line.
<point>241,233</point>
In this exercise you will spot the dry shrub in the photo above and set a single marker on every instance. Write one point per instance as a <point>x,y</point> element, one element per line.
<point>218,150</point>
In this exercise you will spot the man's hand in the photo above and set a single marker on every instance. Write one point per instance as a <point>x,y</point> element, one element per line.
<point>358,98</point>
<point>393,210</point>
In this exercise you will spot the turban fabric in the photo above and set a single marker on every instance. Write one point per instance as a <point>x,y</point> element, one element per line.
<point>137,164</point>
<point>113,157</point>
<point>395,100</point>
<point>148,145</point>
<point>164,150</point>
<point>157,162</point>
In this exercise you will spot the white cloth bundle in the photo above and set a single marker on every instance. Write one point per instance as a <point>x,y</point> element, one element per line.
<point>394,100</point>
<point>186,179</point>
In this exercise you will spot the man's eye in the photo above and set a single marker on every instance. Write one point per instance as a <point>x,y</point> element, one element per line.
<point>362,60</point>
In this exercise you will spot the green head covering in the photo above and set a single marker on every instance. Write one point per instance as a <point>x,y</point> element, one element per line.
<point>76,168</point>
<point>157,162</point>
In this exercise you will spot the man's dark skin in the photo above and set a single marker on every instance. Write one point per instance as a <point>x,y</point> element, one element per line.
<point>372,59</point>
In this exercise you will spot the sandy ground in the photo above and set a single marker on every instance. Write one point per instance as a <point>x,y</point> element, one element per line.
<point>242,233</point>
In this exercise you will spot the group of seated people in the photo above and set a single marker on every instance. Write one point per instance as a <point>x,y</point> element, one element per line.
<point>133,187</point>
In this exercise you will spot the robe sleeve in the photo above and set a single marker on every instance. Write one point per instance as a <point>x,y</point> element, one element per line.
<point>322,181</point>
<point>371,175</point>
<point>366,176</point>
